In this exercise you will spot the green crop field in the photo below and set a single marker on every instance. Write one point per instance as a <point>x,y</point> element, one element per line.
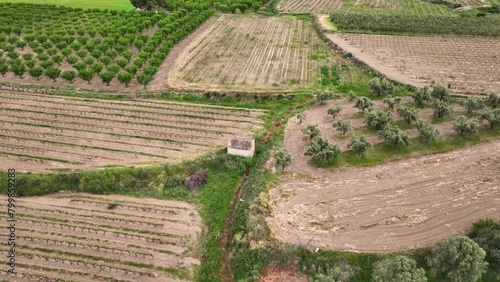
<point>85,4</point>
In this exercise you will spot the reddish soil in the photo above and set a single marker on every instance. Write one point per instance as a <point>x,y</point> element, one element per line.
<point>277,273</point>
<point>89,241</point>
<point>420,61</point>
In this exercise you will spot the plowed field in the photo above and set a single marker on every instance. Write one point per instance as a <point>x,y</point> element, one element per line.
<point>80,237</point>
<point>46,132</point>
<point>252,53</point>
<point>469,64</point>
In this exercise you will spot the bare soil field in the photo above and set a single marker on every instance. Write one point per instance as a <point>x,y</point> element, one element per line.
<point>41,133</point>
<point>82,237</point>
<point>469,64</point>
<point>252,53</point>
<point>415,7</point>
<point>389,207</point>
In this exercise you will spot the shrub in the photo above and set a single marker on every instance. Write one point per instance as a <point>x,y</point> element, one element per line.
<point>398,269</point>
<point>363,103</point>
<point>492,116</point>
<point>323,96</point>
<point>195,181</point>
<point>494,100</point>
<point>392,102</point>
<point>282,158</point>
<point>381,86</point>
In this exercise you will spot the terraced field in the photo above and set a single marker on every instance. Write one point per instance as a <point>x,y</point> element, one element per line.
<point>81,237</point>
<point>46,132</point>
<point>413,7</point>
<point>469,64</point>
<point>252,53</point>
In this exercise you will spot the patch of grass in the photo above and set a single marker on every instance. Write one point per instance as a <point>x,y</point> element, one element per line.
<point>84,4</point>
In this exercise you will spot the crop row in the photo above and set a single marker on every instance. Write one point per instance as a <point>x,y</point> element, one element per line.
<point>108,49</point>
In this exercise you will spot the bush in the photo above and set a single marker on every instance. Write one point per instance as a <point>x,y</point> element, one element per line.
<point>195,181</point>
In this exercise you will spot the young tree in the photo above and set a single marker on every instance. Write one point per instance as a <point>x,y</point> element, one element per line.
<point>461,258</point>
<point>36,72</point>
<point>363,103</point>
<point>473,104</point>
<point>57,59</point>
<point>440,92</point>
<point>492,116</point>
<point>427,131</point>
<point>86,74</point>
<point>442,109</point>
<point>311,130</point>
<point>18,69</point>
<point>334,111</point>
<point>53,73</point>
<point>486,233</point>
<point>381,86</point>
<point>378,119</point>
<point>494,100</point>
<point>105,60</point>
<point>464,126</point>
<point>144,79</point>
<point>361,145</point>
<point>107,77</point>
<point>322,149</point>
<point>125,78</point>
<point>395,136</point>
<point>68,76</point>
<point>409,115</point>
<point>323,96</point>
<point>392,102</point>
<point>352,96</point>
<point>343,126</point>
<point>282,158</point>
<point>4,68</point>
<point>398,269</point>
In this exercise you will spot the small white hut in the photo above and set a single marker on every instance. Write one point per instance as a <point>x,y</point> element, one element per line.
<point>239,146</point>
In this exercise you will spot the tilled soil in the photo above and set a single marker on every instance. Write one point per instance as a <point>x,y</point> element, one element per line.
<point>41,133</point>
<point>395,206</point>
<point>80,237</point>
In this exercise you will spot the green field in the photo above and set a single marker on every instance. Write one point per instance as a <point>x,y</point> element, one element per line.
<point>85,4</point>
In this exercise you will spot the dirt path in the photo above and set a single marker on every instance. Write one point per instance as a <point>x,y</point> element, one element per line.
<point>391,207</point>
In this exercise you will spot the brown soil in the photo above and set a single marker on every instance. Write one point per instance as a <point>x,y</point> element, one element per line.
<point>173,250</point>
<point>47,132</point>
<point>420,61</point>
<point>251,53</point>
<point>278,273</point>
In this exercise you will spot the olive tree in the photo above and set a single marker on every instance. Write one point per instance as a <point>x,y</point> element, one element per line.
<point>442,109</point>
<point>360,146</point>
<point>398,269</point>
<point>409,115</point>
<point>440,92</point>
<point>323,95</point>
<point>492,116</point>
<point>322,149</point>
<point>486,233</point>
<point>334,111</point>
<point>311,130</point>
<point>395,136</point>
<point>342,126</point>
<point>378,119</point>
<point>460,257</point>
<point>427,131</point>
<point>473,104</point>
<point>465,127</point>
<point>282,158</point>
<point>392,102</point>
<point>363,103</point>
<point>381,86</point>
